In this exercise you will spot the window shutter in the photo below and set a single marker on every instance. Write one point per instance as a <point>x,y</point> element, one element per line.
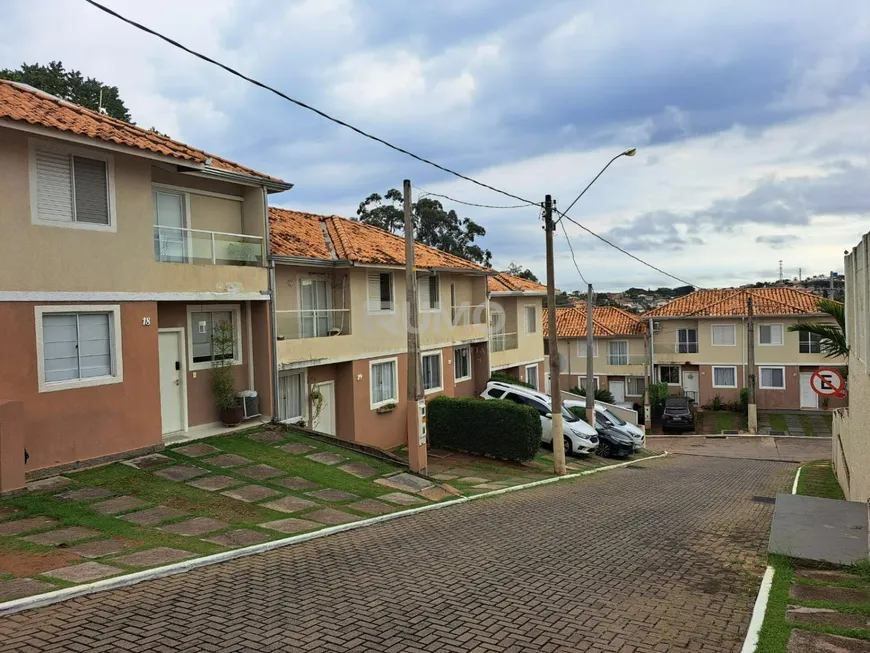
<point>374,282</point>
<point>53,187</point>
<point>95,348</point>
<point>424,290</point>
<point>60,339</point>
<point>91,190</point>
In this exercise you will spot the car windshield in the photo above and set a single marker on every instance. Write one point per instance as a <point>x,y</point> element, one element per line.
<point>568,416</point>
<point>613,418</point>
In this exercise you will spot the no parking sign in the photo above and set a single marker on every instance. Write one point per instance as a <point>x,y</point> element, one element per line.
<point>828,382</point>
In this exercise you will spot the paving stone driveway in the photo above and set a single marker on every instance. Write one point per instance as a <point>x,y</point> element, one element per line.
<point>651,558</point>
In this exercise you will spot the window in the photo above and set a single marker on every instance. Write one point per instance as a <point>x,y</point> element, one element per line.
<point>581,381</point>
<point>384,382</point>
<point>687,341</point>
<point>71,187</point>
<point>532,375</point>
<point>462,363</point>
<point>430,292</point>
<point>581,348</point>
<point>202,325</point>
<point>531,319</point>
<point>724,335</point>
<point>810,343</point>
<point>170,227</point>
<point>495,393</point>
<point>453,303</point>
<point>617,352</point>
<point>725,377</point>
<point>669,374</point>
<point>772,378</point>
<point>770,334</point>
<point>78,349</point>
<point>528,401</point>
<point>381,292</point>
<point>635,386</point>
<point>291,391</point>
<point>316,302</point>
<point>432,372</point>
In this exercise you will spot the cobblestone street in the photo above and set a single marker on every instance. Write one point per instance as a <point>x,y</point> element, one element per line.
<point>658,556</point>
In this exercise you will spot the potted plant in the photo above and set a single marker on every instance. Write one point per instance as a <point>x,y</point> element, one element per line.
<point>222,383</point>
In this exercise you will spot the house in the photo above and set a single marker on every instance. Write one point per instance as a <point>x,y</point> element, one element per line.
<point>851,444</point>
<point>121,250</point>
<point>516,325</point>
<point>342,325</point>
<point>699,343</point>
<point>619,356</point>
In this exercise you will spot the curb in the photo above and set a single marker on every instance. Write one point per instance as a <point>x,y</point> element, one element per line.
<point>48,598</point>
<point>716,455</point>
<point>720,436</point>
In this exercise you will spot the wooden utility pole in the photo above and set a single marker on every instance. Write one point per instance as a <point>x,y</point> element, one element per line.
<point>555,367</point>
<point>590,369</point>
<point>417,454</point>
<point>750,348</point>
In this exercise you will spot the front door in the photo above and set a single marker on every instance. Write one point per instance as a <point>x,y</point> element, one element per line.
<point>617,389</point>
<point>691,384</point>
<point>809,399</point>
<point>171,354</point>
<point>324,421</point>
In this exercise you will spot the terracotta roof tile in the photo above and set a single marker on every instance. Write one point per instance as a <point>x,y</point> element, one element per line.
<point>607,321</point>
<point>22,103</point>
<point>302,234</point>
<point>732,302</point>
<point>508,283</point>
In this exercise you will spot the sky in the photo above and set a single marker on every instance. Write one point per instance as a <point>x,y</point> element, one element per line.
<point>751,119</point>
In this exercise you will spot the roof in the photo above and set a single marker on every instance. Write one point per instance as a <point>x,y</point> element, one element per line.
<point>607,321</point>
<point>732,302</point>
<point>504,283</point>
<point>25,104</point>
<point>333,238</point>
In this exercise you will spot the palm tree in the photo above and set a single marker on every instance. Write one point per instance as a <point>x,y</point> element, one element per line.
<point>832,336</point>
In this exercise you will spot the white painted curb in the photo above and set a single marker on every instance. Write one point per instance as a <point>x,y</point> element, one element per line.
<point>797,477</point>
<point>723,436</point>
<point>41,600</point>
<point>751,641</point>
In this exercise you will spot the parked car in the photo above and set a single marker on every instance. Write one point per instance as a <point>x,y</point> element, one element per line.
<point>580,437</point>
<point>612,443</point>
<point>678,415</point>
<point>611,420</point>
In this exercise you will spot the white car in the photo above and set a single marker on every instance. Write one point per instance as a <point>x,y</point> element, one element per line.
<point>580,437</point>
<point>611,420</point>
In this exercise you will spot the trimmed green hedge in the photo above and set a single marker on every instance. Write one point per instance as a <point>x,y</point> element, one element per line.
<point>506,378</point>
<point>501,429</point>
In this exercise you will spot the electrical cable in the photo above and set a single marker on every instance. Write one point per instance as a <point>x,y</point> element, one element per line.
<point>482,206</point>
<point>568,240</point>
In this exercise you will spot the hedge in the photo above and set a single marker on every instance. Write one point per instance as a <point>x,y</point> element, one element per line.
<point>496,428</point>
<point>506,378</point>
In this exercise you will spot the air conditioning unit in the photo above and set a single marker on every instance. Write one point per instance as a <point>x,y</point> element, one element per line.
<point>657,326</point>
<point>250,402</point>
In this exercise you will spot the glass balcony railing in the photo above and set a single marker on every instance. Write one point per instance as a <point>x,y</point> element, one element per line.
<point>320,323</point>
<point>201,247</point>
<point>500,341</point>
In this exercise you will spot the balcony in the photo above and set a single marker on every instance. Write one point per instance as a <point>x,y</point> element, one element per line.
<point>500,341</point>
<point>675,351</point>
<point>623,360</point>
<point>319,323</point>
<point>201,247</point>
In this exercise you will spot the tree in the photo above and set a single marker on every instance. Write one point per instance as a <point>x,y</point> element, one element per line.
<point>70,85</point>
<point>832,336</point>
<point>518,271</point>
<point>433,225</point>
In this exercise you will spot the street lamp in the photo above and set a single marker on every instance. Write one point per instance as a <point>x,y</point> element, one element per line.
<point>630,152</point>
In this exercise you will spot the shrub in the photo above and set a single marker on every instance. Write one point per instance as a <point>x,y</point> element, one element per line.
<point>501,429</point>
<point>657,394</point>
<point>504,378</point>
<point>716,404</point>
<point>744,400</point>
<point>602,394</point>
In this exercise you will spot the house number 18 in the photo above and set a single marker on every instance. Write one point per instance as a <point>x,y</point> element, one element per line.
<point>146,321</point>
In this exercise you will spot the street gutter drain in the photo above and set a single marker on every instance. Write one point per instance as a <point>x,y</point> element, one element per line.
<point>716,437</point>
<point>770,500</point>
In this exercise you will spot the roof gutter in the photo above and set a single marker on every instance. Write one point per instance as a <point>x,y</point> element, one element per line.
<point>518,293</point>
<point>310,262</point>
<point>271,185</point>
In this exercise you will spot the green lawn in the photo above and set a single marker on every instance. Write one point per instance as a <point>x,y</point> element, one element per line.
<point>817,480</point>
<point>778,422</point>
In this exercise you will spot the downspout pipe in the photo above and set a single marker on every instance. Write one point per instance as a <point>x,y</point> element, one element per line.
<point>273,315</point>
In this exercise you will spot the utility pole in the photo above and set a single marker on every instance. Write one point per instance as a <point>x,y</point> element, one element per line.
<point>750,348</point>
<point>590,381</point>
<point>647,409</point>
<point>416,425</point>
<point>833,293</point>
<point>555,368</point>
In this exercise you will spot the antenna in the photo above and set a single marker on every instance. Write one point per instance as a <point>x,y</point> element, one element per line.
<point>780,269</point>
<point>100,108</point>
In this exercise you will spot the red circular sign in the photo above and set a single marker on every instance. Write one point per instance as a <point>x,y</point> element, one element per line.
<point>828,382</point>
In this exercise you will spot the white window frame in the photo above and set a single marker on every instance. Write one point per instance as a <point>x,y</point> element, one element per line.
<point>688,342</point>
<point>304,374</point>
<point>394,400</point>
<point>679,375</point>
<point>369,310</point>
<point>115,343</point>
<point>533,328</point>
<point>713,373</point>
<point>526,374</point>
<point>771,387</point>
<point>772,344</point>
<point>458,379</point>
<point>628,385</point>
<point>186,234</point>
<point>431,354</point>
<point>801,341</point>
<point>596,381</point>
<point>35,144</point>
<point>627,353</point>
<point>425,278</point>
<point>236,312</point>
<point>733,328</point>
<point>581,348</point>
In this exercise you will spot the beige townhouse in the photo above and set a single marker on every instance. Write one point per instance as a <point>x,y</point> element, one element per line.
<point>618,350</point>
<point>516,347</point>
<point>120,251</point>
<point>700,346</point>
<point>342,321</point>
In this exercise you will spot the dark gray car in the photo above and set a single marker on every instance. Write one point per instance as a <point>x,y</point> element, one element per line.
<point>679,414</point>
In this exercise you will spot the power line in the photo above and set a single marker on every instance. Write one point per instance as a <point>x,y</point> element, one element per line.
<point>483,206</point>
<point>568,240</point>
<point>299,103</point>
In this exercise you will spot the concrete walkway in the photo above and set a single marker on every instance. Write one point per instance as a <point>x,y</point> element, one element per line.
<point>760,447</point>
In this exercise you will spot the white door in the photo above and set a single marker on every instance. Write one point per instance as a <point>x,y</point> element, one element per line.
<point>170,220</point>
<point>809,399</point>
<point>546,383</point>
<point>691,384</point>
<point>617,389</point>
<point>325,421</point>
<point>171,387</point>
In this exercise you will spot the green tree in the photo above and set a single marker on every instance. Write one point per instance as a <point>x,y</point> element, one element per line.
<point>70,85</point>
<point>832,336</point>
<point>433,225</point>
<point>522,273</point>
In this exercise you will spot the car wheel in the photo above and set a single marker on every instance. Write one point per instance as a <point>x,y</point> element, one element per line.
<point>568,448</point>
<point>604,450</point>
